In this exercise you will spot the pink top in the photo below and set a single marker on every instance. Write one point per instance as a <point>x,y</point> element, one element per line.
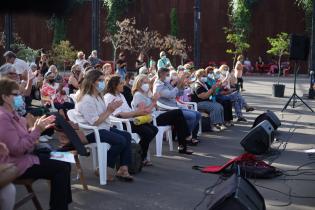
<point>20,142</point>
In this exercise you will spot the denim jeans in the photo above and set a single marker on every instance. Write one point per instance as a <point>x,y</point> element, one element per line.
<point>120,145</point>
<point>192,119</point>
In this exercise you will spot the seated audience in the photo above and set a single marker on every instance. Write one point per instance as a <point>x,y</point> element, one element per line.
<point>260,64</point>
<point>202,96</point>
<point>53,95</point>
<point>91,110</point>
<point>129,80</point>
<point>21,143</point>
<point>7,192</point>
<point>146,131</point>
<point>74,79</point>
<point>175,118</point>
<point>169,91</point>
<point>140,62</point>
<point>93,59</point>
<point>163,62</point>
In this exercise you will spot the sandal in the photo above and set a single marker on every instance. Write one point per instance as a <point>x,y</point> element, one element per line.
<point>192,142</point>
<point>147,163</point>
<point>125,178</point>
<point>250,109</point>
<point>183,150</point>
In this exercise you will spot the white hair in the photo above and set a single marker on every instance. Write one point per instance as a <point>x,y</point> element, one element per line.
<point>6,69</point>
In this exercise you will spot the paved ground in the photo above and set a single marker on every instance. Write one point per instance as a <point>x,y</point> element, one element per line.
<point>172,184</point>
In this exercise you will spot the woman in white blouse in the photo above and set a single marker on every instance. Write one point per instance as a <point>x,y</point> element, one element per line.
<point>174,118</point>
<point>146,131</point>
<point>93,111</point>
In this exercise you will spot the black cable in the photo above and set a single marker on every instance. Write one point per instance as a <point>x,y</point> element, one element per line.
<point>286,194</point>
<point>208,190</point>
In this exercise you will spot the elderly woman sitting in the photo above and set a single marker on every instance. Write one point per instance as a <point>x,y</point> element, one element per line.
<point>231,94</point>
<point>202,94</point>
<point>21,142</point>
<point>53,94</point>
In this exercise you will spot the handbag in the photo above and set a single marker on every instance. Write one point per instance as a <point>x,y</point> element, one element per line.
<point>140,120</point>
<point>63,138</point>
<point>8,173</point>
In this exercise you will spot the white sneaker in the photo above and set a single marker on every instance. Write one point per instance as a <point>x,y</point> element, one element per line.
<point>215,129</point>
<point>48,137</point>
<point>43,139</point>
<point>223,127</point>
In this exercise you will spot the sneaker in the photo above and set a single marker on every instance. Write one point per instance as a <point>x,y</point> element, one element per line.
<point>241,119</point>
<point>43,139</point>
<point>223,127</point>
<point>215,129</point>
<point>250,109</point>
<point>48,137</point>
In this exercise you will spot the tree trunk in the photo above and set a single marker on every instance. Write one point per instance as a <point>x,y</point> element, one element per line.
<point>279,68</point>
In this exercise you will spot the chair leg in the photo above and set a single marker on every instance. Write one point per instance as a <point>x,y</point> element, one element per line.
<point>34,197</point>
<point>170,139</point>
<point>159,141</point>
<point>102,163</point>
<point>80,172</point>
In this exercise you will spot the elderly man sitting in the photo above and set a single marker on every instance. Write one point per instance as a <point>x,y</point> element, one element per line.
<point>169,90</point>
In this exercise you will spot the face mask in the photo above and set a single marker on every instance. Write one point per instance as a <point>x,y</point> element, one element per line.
<point>210,75</point>
<point>131,82</point>
<point>203,79</point>
<point>217,76</point>
<point>18,102</point>
<point>167,79</point>
<point>175,78</point>
<point>163,56</point>
<point>145,87</point>
<point>101,86</point>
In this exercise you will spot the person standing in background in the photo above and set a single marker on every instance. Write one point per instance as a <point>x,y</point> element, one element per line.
<point>121,67</point>
<point>239,72</point>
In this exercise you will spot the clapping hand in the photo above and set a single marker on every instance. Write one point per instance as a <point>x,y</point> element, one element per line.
<point>155,97</point>
<point>112,106</point>
<point>44,122</point>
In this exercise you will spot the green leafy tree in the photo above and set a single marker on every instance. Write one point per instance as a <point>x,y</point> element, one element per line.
<point>116,9</point>
<point>25,52</point>
<point>239,43</point>
<point>63,53</point>
<point>307,6</point>
<point>279,47</point>
<point>174,22</point>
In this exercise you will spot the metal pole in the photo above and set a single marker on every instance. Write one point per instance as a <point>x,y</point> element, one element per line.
<point>311,93</point>
<point>197,14</point>
<point>95,25</point>
<point>8,31</point>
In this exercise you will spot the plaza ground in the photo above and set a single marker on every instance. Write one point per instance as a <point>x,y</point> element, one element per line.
<point>172,184</point>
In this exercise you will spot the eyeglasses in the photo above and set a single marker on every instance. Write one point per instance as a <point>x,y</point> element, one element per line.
<point>12,73</point>
<point>14,94</point>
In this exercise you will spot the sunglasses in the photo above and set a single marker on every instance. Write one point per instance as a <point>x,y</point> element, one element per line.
<point>14,94</point>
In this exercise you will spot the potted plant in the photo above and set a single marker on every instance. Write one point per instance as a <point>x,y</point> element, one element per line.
<point>279,48</point>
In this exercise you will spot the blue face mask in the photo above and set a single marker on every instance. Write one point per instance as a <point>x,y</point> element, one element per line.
<point>100,86</point>
<point>18,102</point>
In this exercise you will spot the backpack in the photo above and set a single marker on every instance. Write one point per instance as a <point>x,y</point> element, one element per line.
<point>136,160</point>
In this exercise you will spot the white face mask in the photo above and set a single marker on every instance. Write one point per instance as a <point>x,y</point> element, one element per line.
<point>131,82</point>
<point>167,79</point>
<point>210,75</point>
<point>145,87</point>
<point>203,79</point>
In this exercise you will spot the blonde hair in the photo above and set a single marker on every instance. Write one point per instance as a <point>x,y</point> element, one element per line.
<point>199,72</point>
<point>240,57</point>
<point>224,67</point>
<point>137,83</point>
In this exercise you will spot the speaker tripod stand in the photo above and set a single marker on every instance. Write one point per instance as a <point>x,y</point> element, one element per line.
<point>294,96</point>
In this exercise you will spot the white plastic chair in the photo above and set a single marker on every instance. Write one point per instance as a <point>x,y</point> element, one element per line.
<point>189,105</point>
<point>99,148</point>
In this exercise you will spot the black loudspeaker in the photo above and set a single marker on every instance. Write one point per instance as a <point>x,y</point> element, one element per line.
<point>271,117</point>
<point>299,47</point>
<point>236,193</point>
<point>259,139</point>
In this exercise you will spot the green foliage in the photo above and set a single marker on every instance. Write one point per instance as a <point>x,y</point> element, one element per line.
<point>174,23</point>
<point>279,47</point>
<point>59,26</point>
<point>279,44</point>
<point>63,52</point>
<point>24,52</point>
<point>307,6</point>
<point>116,9</point>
